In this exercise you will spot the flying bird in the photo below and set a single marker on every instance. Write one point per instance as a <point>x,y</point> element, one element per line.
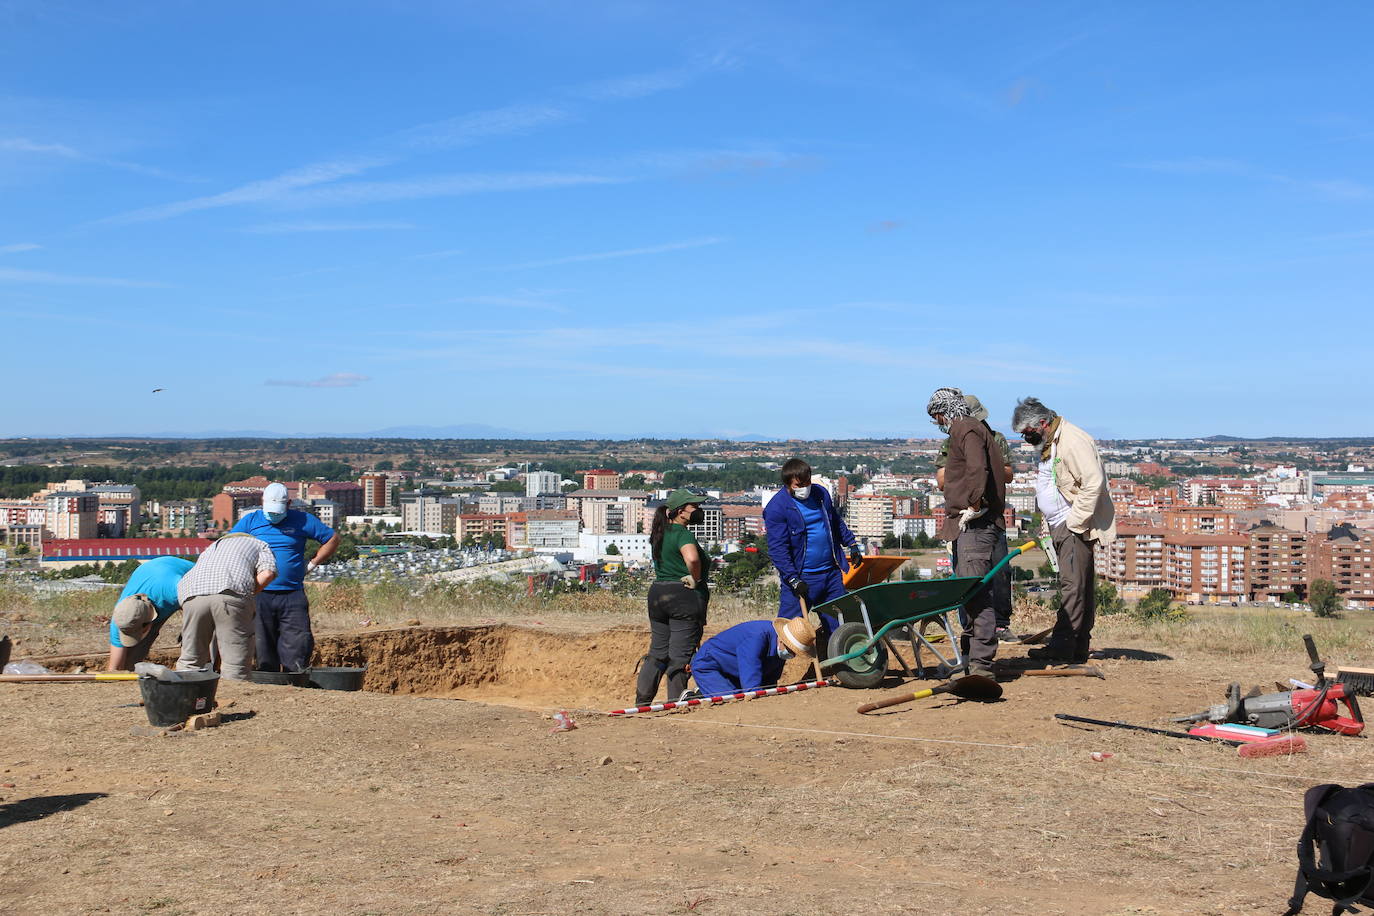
<point>156,390</point>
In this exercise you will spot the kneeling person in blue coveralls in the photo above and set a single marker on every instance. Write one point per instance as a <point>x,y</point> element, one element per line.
<point>750,655</point>
<point>284,639</point>
<point>807,542</point>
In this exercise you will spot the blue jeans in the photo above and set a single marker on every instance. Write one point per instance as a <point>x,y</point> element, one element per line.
<point>285,642</point>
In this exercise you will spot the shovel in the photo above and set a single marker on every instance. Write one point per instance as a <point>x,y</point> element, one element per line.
<point>67,678</point>
<point>969,687</point>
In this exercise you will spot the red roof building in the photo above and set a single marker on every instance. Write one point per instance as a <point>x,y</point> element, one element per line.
<point>117,550</point>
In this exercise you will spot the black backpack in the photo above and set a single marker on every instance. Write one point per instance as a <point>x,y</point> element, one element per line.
<point>1336,850</point>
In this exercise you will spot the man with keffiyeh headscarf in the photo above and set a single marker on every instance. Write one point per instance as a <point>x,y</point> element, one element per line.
<point>975,495</point>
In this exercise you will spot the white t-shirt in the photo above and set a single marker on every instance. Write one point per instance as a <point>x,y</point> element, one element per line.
<point>1053,506</point>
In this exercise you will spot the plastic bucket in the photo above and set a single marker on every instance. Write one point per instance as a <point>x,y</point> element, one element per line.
<point>284,678</point>
<point>171,703</point>
<point>337,678</point>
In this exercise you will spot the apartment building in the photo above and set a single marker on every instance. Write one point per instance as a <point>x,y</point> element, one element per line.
<point>601,479</point>
<point>478,526</point>
<point>1134,562</point>
<point>121,505</point>
<point>537,482</point>
<point>380,491</point>
<point>72,515</point>
<point>1278,561</point>
<point>1345,556</point>
<point>347,494</point>
<point>22,512</point>
<point>606,511</point>
<point>737,521</point>
<point>711,528</point>
<point>869,516</point>
<point>1206,567</point>
<point>1201,520</point>
<point>500,504</point>
<point>552,529</point>
<point>181,515</point>
<point>915,523</point>
<point>31,536</point>
<point>429,510</point>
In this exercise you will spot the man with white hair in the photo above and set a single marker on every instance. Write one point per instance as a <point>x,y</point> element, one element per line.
<point>284,638</point>
<point>1071,493</point>
<point>975,496</point>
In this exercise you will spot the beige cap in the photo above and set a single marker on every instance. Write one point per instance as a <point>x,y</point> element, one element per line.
<point>131,617</point>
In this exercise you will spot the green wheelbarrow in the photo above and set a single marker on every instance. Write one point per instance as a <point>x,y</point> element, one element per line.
<point>869,616</point>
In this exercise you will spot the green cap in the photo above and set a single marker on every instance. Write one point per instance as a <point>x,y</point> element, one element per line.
<point>679,498</point>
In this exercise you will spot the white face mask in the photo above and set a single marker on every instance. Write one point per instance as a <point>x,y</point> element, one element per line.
<point>785,653</point>
<point>802,492</point>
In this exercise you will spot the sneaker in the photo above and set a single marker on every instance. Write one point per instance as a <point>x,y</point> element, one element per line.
<point>1006,636</point>
<point>982,671</point>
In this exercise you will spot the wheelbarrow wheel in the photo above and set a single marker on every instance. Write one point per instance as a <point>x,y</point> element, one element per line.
<point>864,671</point>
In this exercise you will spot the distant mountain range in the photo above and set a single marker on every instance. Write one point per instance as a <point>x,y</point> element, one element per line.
<point>456,431</point>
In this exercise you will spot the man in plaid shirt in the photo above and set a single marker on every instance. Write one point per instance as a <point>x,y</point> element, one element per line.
<point>217,603</point>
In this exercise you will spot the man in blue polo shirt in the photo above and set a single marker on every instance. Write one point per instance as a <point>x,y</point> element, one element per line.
<point>285,641</point>
<point>143,607</point>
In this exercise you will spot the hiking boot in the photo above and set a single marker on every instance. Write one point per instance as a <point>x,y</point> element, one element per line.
<point>1006,636</point>
<point>982,671</point>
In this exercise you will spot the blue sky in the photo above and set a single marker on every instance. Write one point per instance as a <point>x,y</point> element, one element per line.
<point>707,218</point>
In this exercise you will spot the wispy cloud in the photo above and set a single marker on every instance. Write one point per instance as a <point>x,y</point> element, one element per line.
<point>63,151</point>
<point>359,192</point>
<point>437,255</point>
<point>268,189</point>
<point>334,380</point>
<point>622,253</point>
<point>284,228</point>
<point>509,302</point>
<point>14,275</point>
<point>18,247</point>
<point>294,186</point>
<point>468,129</point>
<point>1336,189</point>
<point>885,225</point>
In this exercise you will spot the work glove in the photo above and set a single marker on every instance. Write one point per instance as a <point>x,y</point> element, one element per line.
<point>688,581</point>
<point>856,556</point>
<point>311,566</point>
<point>968,515</point>
<point>800,588</point>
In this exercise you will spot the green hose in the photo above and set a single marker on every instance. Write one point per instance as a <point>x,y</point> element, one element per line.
<point>904,621</point>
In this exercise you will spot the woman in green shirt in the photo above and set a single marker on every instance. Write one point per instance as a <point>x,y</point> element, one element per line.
<point>677,599</point>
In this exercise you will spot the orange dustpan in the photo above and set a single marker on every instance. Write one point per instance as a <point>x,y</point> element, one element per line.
<point>873,569</point>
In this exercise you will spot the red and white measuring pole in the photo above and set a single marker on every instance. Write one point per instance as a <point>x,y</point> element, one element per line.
<point>708,701</point>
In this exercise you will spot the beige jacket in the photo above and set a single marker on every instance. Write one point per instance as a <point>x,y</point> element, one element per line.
<point>1082,482</point>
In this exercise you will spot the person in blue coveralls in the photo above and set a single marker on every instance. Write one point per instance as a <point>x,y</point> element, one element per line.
<point>285,641</point>
<point>750,655</point>
<point>807,542</point>
<point>147,601</point>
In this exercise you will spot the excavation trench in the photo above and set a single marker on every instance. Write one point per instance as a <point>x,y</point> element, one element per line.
<point>497,663</point>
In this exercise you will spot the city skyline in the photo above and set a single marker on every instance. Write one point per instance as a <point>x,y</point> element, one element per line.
<point>780,220</point>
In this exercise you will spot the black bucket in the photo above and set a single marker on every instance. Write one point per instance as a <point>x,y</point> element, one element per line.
<point>171,703</point>
<point>281,678</point>
<point>337,678</point>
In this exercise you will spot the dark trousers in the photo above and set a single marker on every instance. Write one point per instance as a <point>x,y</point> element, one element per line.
<point>1001,586</point>
<point>285,642</point>
<point>677,617</point>
<point>1073,628</point>
<point>974,552</point>
<point>826,585</point>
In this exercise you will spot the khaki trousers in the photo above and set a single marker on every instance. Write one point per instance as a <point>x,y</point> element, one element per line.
<point>227,619</point>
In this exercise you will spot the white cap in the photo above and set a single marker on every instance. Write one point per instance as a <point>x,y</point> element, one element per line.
<point>274,498</point>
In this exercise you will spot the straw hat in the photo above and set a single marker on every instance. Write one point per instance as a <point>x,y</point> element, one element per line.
<point>797,634</point>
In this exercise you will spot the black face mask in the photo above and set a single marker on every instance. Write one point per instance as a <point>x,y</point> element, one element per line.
<point>697,517</point>
<point>1033,436</point>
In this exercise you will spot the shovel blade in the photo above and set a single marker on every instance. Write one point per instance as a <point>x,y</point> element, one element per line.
<point>973,687</point>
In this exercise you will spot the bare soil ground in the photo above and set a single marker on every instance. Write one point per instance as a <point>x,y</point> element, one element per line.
<point>447,793</point>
